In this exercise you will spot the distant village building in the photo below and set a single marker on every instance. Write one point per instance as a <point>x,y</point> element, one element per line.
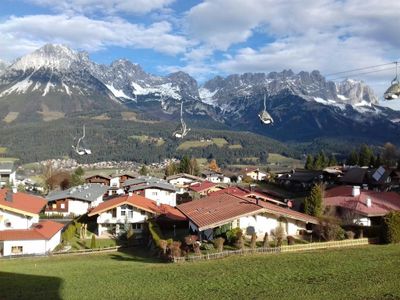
<point>355,205</point>
<point>204,188</point>
<point>75,201</point>
<point>215,177</point>
<point>255,174</point>
<point>182,181</point>
<point>7,173</point>
<point>152,188</point>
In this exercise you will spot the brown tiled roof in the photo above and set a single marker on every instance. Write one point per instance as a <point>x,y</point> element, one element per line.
<point>216,210</point>
<point>44,230</point>
<point>22,203</point>
<point>139,202</point>
<point>241,192</point>
<point>382,202</point>
<point>203,186</point>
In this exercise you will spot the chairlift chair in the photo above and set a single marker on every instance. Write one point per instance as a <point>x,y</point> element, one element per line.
<point>264,116</point>
<point>393,92</point>
<point>78,148</point>
<point>182,130</point>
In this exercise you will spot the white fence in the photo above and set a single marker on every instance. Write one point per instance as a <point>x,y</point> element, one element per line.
<point>292,248</point>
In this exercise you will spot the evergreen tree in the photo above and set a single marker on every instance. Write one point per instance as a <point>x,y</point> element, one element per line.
<point>332,160</point>
<point>93,242</point>
<point>318,162</point>
<point>389,155</point>
<point>143,170</point>
<point>352,160</point>
<point>309,162</point>
<point>171,169</point>
<point>378,161</point>
<point>184,165</point>
<point>313,203</point>
<point>365,155</point>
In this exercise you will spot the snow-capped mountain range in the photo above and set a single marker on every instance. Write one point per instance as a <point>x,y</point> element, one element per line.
<point>57,78</point>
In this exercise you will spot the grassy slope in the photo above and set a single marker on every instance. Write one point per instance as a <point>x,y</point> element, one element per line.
<point>360,273</point>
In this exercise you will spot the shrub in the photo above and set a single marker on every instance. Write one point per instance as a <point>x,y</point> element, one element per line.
<point>278,234</point>
<point>231,235</point>
<point>196,248</point>
<point>329,230</point>
<point>265,240</point>
<point>190,240</point>
<point>93,242</point>
<point>155,233</point>
<point>163,246</point>
<point>290,240</point>
<point>207,246</point>
<point>219,244</point>
<point>222,230</point>
<point>391,228</point>
<point>350,234</point>
<point>253,241</point>
<point>239,240</point>
<point>176,249</point>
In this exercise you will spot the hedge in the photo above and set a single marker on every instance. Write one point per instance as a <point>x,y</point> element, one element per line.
<point>391,228</point>
<point>155,232</point>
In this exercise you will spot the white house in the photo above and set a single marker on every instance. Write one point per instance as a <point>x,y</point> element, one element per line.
<point>152,188</point>
<point>41,238</point>
<point>255,174</point>
<point>215,177</point>
<point>182,181</point>
<point>19,210</point>
<point>133,210</point>
<point>7,173</point>
<point>76,200</point>
<point>251,215</point>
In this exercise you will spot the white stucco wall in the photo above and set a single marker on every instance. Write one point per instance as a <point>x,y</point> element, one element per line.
<point>97,201</point>
<point>138,216</point>
<point>77,207</point>
<point>114,182</point>
<point>32,246</point>
<point>17,221</point>
<point>164,197</point>
<point>268,223</point>
<point>180,181</point>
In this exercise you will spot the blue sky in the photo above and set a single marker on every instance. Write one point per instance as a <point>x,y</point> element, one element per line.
<point>213,37</point>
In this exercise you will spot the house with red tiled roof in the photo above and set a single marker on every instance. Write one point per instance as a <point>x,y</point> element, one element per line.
<point>359,206</point>
<point>19,210</point>
<point>252,215</point>
<point>255,174</point>
<point>204,188</point>
<point>114,214</point>
<point>40,238</point>
<point>241,192</point>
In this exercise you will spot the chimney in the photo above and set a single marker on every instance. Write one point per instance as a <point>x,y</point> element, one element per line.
<point>356,191</point>
<point>14,189</point>
<point>369,202</point>
<point>130,194</point>
<point>9,196</point>
<point>257,199</point>
<point>158,202</point>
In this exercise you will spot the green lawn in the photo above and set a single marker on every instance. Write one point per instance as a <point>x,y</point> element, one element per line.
<point>370,272</point>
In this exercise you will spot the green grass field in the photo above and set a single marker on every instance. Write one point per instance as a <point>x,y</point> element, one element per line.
<point>370,272</point>
<point>219,142</point>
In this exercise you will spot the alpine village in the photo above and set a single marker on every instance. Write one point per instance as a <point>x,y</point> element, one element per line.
<point>122,183</point>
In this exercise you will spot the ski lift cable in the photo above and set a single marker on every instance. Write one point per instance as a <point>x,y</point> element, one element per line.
<point>360,69</point>
<point>362,73</point>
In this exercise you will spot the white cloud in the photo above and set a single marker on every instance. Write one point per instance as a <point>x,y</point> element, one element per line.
<point>104,6</point>
<point>19,35</point>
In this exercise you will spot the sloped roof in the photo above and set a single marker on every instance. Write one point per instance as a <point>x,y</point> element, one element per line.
<point>88,192</point>
<point>217,210</point>
<point>44,230</point>
<point>381,202</point>
<point>98,175</point>
<point>146,182</point>
<point>22,203</point>
<point>355,176</point>
<point>6,167</point>
<point>141,203</point>
<point>185,175</point>
<point>202,186</point>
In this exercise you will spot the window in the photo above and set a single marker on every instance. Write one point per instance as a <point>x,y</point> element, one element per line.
<point>114,213</point>
<point>62,205</point>
<point>8,224</point>
<point>54,206</point>
<point>16,249</point>
<point>127,210</point>
<point>137,226</point>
